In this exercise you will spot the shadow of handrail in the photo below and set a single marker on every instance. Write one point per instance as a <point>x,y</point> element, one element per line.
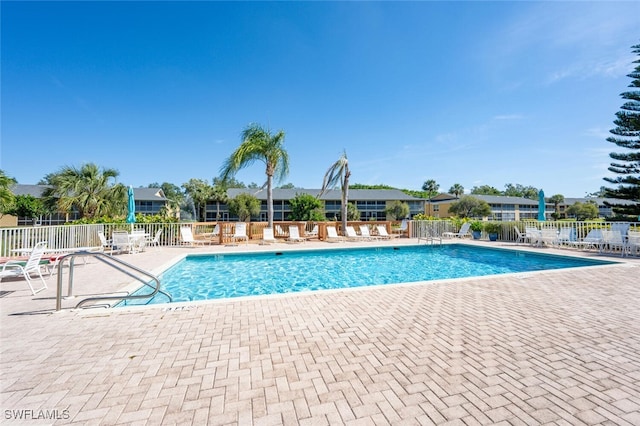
<point>117,264</point>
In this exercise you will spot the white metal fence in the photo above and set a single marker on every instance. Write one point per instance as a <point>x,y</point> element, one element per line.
<point>77,236</point>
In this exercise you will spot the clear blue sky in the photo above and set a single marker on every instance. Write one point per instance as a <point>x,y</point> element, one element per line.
<point>476,93</point>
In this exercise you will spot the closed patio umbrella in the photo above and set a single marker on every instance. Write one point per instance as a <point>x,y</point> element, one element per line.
<point>541,208</point>
<point>131,208</point>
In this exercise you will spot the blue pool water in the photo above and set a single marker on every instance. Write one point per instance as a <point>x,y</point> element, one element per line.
<point>220,276</point>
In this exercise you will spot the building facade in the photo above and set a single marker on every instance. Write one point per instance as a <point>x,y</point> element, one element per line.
<point>371,203</point>
<point>148,201</point>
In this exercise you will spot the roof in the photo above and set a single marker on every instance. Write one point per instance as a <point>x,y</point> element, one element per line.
<point>33,190</point>
<point>333,194</point>
<point>149,194</point>
<point>502,199</point>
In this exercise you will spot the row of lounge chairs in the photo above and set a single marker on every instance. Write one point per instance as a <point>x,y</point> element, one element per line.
<point>603,240</point>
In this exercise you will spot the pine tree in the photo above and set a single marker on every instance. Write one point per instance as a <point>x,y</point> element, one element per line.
<point>627,135</point>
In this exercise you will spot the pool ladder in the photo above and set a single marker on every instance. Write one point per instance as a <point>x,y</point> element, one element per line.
<point>115,263</point>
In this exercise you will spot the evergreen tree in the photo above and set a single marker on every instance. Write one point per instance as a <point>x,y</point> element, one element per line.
<point>627,136</point>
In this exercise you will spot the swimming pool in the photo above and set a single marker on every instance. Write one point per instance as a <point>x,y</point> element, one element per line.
<point>221,276</point>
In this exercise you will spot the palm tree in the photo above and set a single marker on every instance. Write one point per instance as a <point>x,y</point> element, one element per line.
<point>431,188</point>
<point>556,200</point>
<point>456,190</point>
<point>6,196</point>
<point>338,173</point>
<point>260,144</point>
<point>219,195</point>
<point>88,190</point>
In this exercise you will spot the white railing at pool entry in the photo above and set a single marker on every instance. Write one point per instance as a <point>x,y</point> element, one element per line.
<point>115,263</point>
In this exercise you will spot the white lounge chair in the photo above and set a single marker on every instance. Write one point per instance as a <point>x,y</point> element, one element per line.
<point>633,243</point>
<point>591,241</point>
<point>403,227</point>
<point>280,232</point>
<point>240,233</point>
<point>186,236</point>
<point>612,241</point>
<point>352,235</point>
<point>548,236</point>
<point>566,236</point>
<point>382,232</point>
<point>462,233</point>
<point>365,234</point>
<point>267,236</point>
<point>313,233</point>
<point>534,235</point>
<point>15,268</point>
<point>332,235</point>
<point>294,234</point>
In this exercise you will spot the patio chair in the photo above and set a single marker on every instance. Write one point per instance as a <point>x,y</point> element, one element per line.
<point>186,236</point>
<point>548,236</point>
<point>534,235</point>
<point>566,236</point>
<point>294,234</point>
<point>14,268</point>
<point>404,225</point>
<point>591,240</point>
<point>332,235</point>
<point>352,235</point>
<point>313,233</point>
<point>382,232</point>
<point>280,232</point>
<point>267,236</point>
<point>612,241</point>
<point>462,233</point>
<point>520,237</point>
<point>107,245</point>
<point>365,234</point>
<point>240,233</point>
<point>633,243</point>
<point>155,241</point>
<point>121,242</point>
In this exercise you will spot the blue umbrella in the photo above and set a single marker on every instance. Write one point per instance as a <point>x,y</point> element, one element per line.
<point>131,207</point>
<point>541,206</point>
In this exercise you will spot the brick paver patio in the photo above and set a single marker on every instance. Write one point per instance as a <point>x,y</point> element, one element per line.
<point>556,347</point>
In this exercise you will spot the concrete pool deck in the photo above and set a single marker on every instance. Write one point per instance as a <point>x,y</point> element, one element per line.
<point>552,347</point>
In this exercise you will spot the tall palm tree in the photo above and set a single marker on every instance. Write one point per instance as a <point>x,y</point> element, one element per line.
<point>431,188</point>
<point>259,144</point>
<point>87,189</point>
<point>338,173</point>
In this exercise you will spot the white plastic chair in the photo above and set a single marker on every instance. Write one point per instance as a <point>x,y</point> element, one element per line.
<point>294,234</point>
<point>365,234</point>
<point>155,241</point>
<point>240,233</point>
<point>187,236</point>
<point>332,235</point>
<point>267,236</point>
<point>382,232</point>
<point>15,268</point>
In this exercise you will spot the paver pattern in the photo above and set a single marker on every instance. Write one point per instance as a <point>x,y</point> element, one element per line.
<point>556,347</point>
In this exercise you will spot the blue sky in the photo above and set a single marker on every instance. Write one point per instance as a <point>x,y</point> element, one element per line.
<point>476,93</point>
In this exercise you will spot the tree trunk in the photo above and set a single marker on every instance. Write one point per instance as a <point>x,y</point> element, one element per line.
<point>270,200</point>
<point>345,199</point>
